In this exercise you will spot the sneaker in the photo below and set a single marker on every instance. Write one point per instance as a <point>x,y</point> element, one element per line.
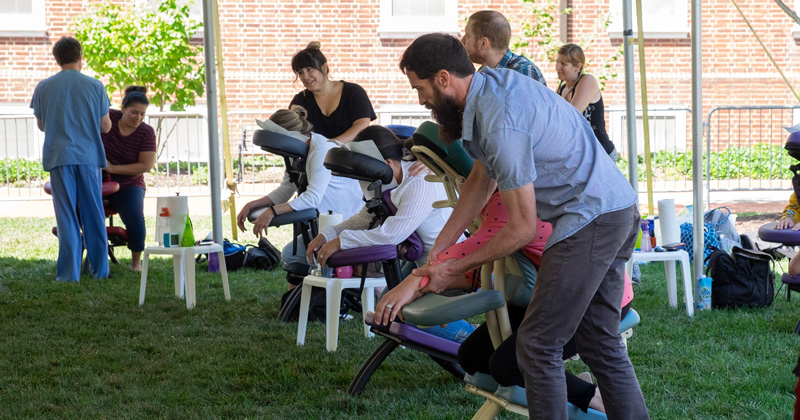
<point>586,377</point>
<point>636,276</point>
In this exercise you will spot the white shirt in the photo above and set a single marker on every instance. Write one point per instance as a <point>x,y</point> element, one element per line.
<point>414,199</point>
<point>325,191</point>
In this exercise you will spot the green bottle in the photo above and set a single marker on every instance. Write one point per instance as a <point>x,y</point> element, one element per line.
<point>188,233</point>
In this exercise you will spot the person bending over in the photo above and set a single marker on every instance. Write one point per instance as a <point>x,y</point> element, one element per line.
<point>130,152</point>
<point>517,131</point>
<point>338,110</point>
<point>325,191</point>
<point>477,353</point>
<point>413,197</point>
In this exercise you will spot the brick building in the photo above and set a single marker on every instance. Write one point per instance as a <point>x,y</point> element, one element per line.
<point>363,42</point>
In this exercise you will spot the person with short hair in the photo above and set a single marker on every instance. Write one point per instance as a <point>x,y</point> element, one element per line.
<point>72,110</point>
<point>337,109</point>
<point>539,151</point>
<point>130,152</point>
<point>583,92</point>
<point>486,38</point>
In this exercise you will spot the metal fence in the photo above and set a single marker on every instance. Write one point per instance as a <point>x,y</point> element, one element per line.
<point>736,138</point>
<point>670,145</point>
<point>744,147</point>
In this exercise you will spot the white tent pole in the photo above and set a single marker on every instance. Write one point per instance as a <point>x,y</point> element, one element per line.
<point>213,140</point>
<point>630,94</point>
<point>697,138</point>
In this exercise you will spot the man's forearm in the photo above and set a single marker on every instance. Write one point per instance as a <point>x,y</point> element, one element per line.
<point>475,194</point>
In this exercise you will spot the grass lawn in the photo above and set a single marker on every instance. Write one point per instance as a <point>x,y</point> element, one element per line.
<point>87,350</point>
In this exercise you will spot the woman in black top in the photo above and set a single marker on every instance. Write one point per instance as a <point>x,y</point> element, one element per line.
<point>583,92</point>
<point>338,110</point>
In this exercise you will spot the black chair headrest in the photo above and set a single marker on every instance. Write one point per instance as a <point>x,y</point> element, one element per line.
<point>349,164</point>
<point>280,144</point>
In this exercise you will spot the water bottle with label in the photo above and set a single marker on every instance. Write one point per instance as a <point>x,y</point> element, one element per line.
<point>704,293</point>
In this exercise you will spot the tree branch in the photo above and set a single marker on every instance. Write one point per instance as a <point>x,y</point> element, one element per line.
<point>788,11</point>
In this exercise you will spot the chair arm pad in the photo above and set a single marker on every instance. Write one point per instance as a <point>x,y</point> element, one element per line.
<point>434,309</point>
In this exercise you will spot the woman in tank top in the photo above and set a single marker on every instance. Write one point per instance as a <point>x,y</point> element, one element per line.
<point>583,92</point>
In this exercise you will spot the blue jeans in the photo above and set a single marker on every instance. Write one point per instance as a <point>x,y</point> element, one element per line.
<point>75,186</point>
<point>454,331</point>
<point>129,203</point>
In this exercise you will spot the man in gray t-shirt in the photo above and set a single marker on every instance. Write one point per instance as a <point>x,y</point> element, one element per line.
<point>539,151</point>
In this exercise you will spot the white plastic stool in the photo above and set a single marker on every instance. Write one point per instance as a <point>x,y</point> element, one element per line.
<point>333,296</point>
<point>670,258</point>
<point>183,266</point>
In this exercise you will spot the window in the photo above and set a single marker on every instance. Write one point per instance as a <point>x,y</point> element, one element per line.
<point>397,114</point>
<point>667,125</point>
<point>411,18</point>
<point>22,18</point>
<point>661,18</point>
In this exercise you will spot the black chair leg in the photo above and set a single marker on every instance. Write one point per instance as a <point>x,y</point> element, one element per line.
<point>370,366</point>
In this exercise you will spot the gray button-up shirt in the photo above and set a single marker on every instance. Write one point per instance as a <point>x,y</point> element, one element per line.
<point>524,133</point>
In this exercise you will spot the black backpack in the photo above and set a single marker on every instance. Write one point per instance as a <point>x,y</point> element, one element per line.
<point>744,278</point>
<point>262,257</point>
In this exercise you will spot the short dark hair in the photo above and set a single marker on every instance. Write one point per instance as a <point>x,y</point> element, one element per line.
<point>135,95</point>
<point>493,26</point>
<point>311,56</point>
<point>437,51</point>
<point>67,50</point>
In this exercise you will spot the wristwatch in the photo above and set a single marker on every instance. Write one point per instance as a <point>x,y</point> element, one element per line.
<point>274,213</point>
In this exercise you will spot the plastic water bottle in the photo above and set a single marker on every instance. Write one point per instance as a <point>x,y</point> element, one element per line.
<point>704,293</point>
<point>645,245</point>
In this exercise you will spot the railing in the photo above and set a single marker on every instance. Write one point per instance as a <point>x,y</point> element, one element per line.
<point>670,140</point>
<point>739,131</point>
<point>182,163</point>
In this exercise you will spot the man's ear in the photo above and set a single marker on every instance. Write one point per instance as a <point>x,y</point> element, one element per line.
<point>442,78</point>
<point>485,44</point>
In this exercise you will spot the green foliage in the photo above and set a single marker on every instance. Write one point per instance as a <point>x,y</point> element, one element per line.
<point>136,44</point>
<point>20,170</point>
<point>759,161</point>
<point>541,27</point>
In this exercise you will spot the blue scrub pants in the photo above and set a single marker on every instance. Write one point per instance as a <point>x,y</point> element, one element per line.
<point>129,203</point>
<point>76,186</point>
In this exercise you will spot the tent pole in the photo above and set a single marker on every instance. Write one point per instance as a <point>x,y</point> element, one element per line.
<point>213,140</point>
<point>630,94</point>
<point>697,138</point>
<point>648,164</point>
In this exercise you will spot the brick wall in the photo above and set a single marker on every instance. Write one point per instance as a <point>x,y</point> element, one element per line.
<point>260,37</point>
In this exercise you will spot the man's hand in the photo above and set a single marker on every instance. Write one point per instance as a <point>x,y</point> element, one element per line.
<point>313,247</point>
<point>441,275</point>
<point>327,250</point>
<point>418,168</point>
<point>242,216</point>
<point>262,223</point>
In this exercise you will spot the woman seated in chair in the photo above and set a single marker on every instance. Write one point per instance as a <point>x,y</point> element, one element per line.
<point>325,191</point>
<point>476,353</point>
<point>789,220</point>
<point>413,197</point>
<point>130,148</point>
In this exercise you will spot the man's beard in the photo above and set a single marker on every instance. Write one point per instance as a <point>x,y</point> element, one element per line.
<point>450,118</point>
